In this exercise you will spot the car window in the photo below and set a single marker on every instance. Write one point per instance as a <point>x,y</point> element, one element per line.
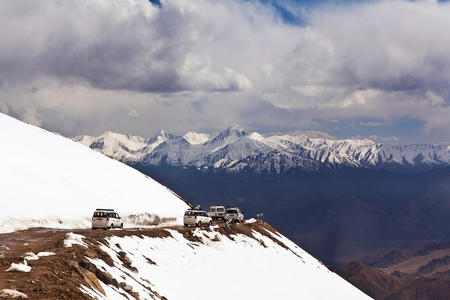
<point>98,214</point>
<point>231,211</point>
<point>189,213</point>
<point>117,215</point>
<point>220,210</point>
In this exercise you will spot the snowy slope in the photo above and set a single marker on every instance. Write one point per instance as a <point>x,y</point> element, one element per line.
<point>195,138</point>
<point>210,264</point>
<point>234,149</point>
<point>48,180</point>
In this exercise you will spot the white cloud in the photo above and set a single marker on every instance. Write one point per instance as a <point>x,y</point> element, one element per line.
<point>208,63</point>
<point>134,114</point>
<point>372,123</point>
<point>309,133</point>
<point>391,139</point>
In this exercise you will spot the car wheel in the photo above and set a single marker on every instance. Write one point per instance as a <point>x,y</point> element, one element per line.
<point>121,226</point>
<point>198,224</point>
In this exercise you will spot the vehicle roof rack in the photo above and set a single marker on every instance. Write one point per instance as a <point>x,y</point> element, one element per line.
<point>105,209</point>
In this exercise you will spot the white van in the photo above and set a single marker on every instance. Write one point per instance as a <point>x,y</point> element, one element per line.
<point>234,214</point>
<point>106,219</point>
<point>217,212</point>
<point>196,217</point>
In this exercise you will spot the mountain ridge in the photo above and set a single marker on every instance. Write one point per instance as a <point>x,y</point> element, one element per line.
<point>234,150</point>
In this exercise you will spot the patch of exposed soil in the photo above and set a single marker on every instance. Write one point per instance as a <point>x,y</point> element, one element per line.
<point>60,276</point>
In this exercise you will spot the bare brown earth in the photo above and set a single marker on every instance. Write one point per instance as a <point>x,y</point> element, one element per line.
<point>61,275</point>
<point>398,285</point>
<point>412,264</point>
<point>402,274</point>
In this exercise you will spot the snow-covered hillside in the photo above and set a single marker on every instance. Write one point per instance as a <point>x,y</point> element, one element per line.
<point>234,149</point>
<point>240,261</point>
<point>48,180</point>
<point>212,264</point>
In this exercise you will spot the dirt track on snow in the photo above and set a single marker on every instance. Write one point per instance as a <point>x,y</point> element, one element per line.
<point>59,276</point>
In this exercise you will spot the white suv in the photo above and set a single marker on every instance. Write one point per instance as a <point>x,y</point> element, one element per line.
<point>106,219</point>
<point>217,212</point>
<point>196,217</point>
<point>234,214</point>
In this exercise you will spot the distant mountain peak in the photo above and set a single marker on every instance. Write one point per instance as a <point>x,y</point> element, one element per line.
<point>233,132</point>
<point>233,149</point>
<point>235,126</point>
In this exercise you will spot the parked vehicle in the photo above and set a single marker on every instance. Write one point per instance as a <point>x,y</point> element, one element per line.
<point>234,214</point>
<point>217,212</point>
<point>106,219</point>
<point>196,217</point>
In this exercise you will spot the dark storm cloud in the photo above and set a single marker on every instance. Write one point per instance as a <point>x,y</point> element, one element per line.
<point>203,64</point>
<point>129,45</point>
<point>89,43</point>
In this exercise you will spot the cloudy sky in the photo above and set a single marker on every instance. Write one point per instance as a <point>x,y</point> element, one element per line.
<point>378,69</point>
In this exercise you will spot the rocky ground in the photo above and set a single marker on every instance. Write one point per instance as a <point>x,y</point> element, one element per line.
<point>58,271</point>
<point>422,274</point>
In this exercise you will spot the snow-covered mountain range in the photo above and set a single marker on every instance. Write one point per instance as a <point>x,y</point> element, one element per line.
<point>234,150</point>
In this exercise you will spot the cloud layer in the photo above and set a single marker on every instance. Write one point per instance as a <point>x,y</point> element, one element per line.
<point>127,65</point>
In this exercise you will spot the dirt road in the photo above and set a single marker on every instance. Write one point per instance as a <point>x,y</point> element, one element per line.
<point>60,276</point>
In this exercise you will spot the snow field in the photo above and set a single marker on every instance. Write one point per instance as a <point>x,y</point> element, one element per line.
<point>51,181</point>
<point>237,268</point>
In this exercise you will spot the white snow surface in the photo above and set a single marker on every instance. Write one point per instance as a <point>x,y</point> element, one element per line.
<point>74,239</point>
<point>12,294</point>
<point>45,253</point>
<point>50,181</point>
<point>25,268</point>
<point>238,268</point>
<point>30,256</point>
<point>195,138</point>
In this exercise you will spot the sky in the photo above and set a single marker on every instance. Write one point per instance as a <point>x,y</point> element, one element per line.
<point>361,69</point>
